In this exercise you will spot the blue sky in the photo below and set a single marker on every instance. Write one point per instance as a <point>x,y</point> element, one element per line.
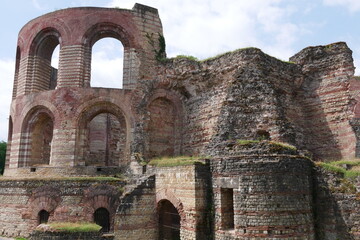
<point>202,28</point>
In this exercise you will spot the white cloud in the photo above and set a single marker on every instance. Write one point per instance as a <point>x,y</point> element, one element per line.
<point>107,64</point>
<point>204,28</point>
<point>7,68</point>
<point>351,5</point>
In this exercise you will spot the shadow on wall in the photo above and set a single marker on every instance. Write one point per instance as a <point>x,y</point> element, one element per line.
<point>328,212</point>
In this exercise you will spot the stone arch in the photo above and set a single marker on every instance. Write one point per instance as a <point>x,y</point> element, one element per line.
<point>164,125</point>
<point>36,139</point>
<point>167,194</point>
<point>8,145</point>
<point>42,48</point>
<point>103,121</point>
<point>101,197</point>
<point>168,221</point>
<point>102,218</point>
<point>17,69</point>
<point>44,198</point>
<point>112,30</point>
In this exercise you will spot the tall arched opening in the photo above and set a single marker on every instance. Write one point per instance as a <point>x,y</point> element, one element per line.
<point>102,218</point>
<point>169,221</point>
<point>107,63</point>
<point>161,128</point>
<point>37,137</point>
<point>106,140</point>
<point>42,48</point>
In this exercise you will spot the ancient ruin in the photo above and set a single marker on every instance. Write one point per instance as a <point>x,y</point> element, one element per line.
<point>249,126</point>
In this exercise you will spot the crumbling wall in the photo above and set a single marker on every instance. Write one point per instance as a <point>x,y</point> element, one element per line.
<point>337,203</point>
<point>326,102</point>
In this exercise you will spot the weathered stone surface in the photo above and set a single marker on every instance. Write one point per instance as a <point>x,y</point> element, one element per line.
<point>61,127</point>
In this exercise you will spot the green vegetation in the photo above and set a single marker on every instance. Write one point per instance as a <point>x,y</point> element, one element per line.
<point>274,146</point>
<point>281,146</point>
<point>338,167</point>
<point>2,156</point>
<point>20,238</point>
<point>247,142</point>
<point>75,227</point>
<point>192,58</point>
<point>159,50</point>
<point>175,161</point>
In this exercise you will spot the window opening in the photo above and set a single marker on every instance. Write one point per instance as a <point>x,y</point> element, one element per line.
<point>107,63</point>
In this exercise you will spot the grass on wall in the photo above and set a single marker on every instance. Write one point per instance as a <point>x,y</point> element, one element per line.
<point>74,227</point>
<point>338,167</point>
<point>176,161</point>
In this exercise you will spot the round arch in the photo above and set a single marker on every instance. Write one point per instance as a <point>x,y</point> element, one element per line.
<point>102,120</point>
<point>42,48</point>
<point>166,110</point>
<point>36,137</point>
<point>169,221</point>
<point>107,29</point>
<point>112,30</point>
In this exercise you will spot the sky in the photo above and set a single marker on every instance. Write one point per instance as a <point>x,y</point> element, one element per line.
<point>201,28</point>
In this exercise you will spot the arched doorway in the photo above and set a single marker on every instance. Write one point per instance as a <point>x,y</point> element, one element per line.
<point>169,221</point>
<point>43,216</point>
<point>102,218</point>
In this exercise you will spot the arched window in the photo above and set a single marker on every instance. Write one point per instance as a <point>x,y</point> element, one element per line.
<point>161,128</point>
<point>43,48</point>
<point>106,140</point>
<point>169,221</point>
<point>107,63</point>
<point>102,218</point>
<point>43,216</point>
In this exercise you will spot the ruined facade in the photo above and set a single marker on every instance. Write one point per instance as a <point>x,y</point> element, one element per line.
<point>65,136</point>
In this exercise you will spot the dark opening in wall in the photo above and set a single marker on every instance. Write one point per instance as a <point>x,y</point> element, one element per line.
<point>43,216</point>
<point>169,221</point>
<point>102,218</point>
<point>227,208</point>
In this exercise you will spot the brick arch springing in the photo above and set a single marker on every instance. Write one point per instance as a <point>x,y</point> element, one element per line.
<point>42,48</point>
<point>8,145</point>
<point>17,69</point>
<point>36,139</point>
<point>116,31</point>
<point>102,137</point>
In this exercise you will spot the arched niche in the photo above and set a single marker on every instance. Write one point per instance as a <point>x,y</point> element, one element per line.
<point>164,127</point>
<point>37,134</point>
<point>102,136</point>
<point>42,49</point>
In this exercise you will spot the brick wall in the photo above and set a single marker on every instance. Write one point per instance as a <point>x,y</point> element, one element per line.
<point>272,195</point>
<point>326,101</point>
<point>65,200</point>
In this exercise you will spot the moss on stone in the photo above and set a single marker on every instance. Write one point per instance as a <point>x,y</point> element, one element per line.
<point>176,161</point>
<point>338,167</point>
